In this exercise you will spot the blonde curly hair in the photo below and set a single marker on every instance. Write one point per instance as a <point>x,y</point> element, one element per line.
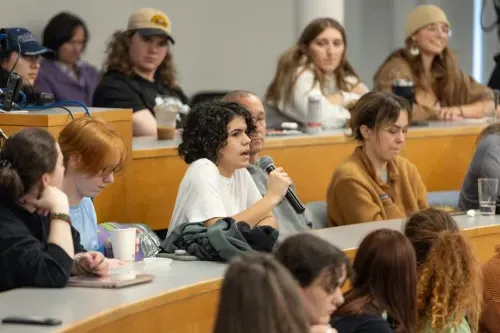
<point>450,279</point>
<point>118,59</point>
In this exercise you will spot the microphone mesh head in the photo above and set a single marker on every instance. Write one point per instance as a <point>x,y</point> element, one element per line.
<point>265,162</point>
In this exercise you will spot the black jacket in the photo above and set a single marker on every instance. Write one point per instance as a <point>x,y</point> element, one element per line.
<point>361,324</point>
<point>26,259</point>
<point>495,76</point>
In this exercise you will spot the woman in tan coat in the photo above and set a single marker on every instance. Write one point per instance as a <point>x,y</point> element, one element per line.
<point>442,90</point>
<point>375,183</point>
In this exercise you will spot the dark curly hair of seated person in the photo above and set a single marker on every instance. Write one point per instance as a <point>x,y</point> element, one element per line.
<point>205,129</point>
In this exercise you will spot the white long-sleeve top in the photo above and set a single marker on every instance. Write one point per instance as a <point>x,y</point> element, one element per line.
<point>333,115</point>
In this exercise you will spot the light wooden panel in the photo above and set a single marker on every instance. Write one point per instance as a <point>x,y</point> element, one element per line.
<point>152,186</point>
<point>187,310</point>
<point>442,161</point>
<point>311,166</point>
<point>194,309</point>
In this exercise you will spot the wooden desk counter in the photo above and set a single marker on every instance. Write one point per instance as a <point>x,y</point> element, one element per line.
<point>442,152</point>
<point>152,184</point>
<point>109,204</point>
<point>184,297</point>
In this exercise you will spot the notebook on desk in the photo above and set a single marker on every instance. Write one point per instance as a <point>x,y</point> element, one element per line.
<point>118,281</point>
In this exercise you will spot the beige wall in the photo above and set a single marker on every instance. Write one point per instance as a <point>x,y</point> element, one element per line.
<point>220,44</point>
<point>229,44</point>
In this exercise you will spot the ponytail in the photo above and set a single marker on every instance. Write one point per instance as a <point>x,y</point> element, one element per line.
<point>11,185</point>
<point>25,157</point>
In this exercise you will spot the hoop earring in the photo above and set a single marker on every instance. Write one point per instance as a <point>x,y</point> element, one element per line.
<point>414,51</point>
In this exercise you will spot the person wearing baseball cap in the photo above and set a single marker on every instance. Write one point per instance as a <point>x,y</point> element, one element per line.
<point>29,61</point>
<point>441,89</point>
<point>140,72</point>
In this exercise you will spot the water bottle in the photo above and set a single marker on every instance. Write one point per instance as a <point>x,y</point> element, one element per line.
<point>314,114</point>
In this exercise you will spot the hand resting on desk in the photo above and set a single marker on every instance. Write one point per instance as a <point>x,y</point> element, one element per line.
<point>450,113</point>
<point>94,262</point>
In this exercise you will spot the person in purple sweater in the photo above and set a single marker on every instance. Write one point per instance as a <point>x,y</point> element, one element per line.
<point>67,76</point>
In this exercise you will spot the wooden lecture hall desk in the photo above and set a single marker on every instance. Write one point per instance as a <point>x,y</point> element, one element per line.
<point>109,204</point>
<point>442,152</point>
<point>183,298</point>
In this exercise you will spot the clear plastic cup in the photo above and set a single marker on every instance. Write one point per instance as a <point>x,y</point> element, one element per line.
<point>166,119</point>
<point>488,192</point>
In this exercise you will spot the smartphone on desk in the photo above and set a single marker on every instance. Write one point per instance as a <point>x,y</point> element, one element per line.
<point>31,320</point>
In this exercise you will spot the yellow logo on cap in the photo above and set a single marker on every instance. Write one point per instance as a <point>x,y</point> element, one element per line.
<point>160,20</point>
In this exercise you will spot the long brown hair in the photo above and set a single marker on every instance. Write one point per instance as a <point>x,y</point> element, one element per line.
<point>118,59</point>
<point>385,279</point>
<point>309,257</point>
<point>295,57</point>
<point>447,81</point>
<point>450,279</point>
<point>259,295</point>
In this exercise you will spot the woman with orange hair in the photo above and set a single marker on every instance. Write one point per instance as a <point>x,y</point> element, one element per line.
<point>449,283</point>
<point>93,152</point>
<point>317,66</point>
<point>442,90</point>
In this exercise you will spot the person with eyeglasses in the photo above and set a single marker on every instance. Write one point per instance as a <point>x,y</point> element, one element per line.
<point>441,89</point>
<point>93,153</point>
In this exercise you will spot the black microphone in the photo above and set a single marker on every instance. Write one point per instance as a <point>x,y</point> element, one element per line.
<point>266,163</point>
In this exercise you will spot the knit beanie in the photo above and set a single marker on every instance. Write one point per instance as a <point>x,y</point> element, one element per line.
<point>423,15</point>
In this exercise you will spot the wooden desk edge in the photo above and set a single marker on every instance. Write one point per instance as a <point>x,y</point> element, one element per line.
<point>47,120</point>
<point>482,231</point>
<point>111,315</point>
<point>182,293</point>
<point>154,152</point>
<point>323,140</point>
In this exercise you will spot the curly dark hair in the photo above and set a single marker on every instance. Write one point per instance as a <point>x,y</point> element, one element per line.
<point>205,129</point>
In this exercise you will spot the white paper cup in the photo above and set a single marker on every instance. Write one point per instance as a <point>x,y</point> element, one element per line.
<point>123,243</point>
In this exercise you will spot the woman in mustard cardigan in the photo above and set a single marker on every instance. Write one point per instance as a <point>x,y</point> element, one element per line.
<point>375,183</point>
<point>442,90</point>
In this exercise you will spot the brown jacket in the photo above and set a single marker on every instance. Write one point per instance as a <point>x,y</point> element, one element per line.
<point>490,317</point>
<point>356,195</point>
<point>466,89</point>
